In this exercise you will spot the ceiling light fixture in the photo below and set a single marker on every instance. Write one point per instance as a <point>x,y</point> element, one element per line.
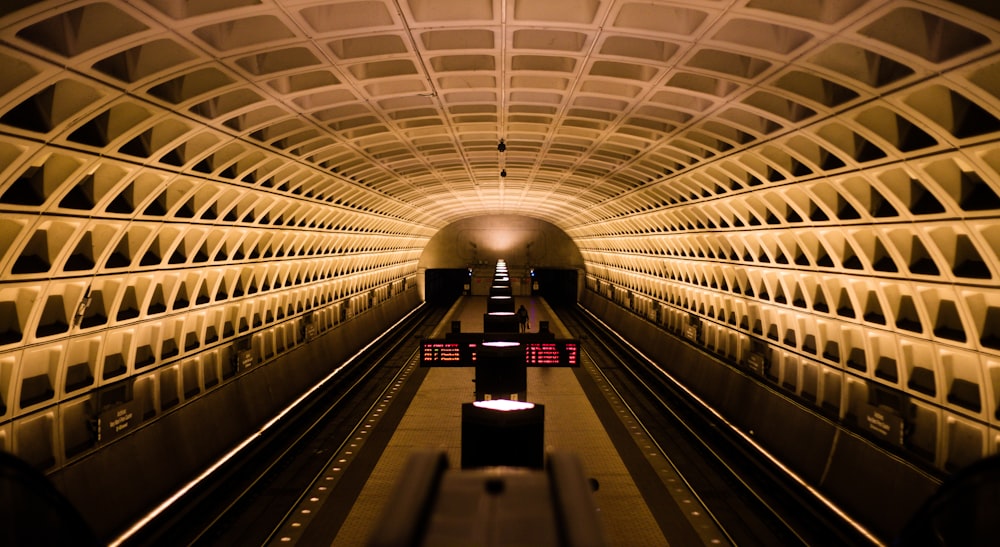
<point>501,148</point>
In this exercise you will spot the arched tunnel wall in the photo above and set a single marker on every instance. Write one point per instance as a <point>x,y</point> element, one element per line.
<point>865,476</point>
<point>523,242</point>
<point>116,482</point>
<point>813,190</point>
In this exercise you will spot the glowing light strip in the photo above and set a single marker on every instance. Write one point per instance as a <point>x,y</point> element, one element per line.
<point>159,509</point>
<point>503,405</point>
<point>794,476</point>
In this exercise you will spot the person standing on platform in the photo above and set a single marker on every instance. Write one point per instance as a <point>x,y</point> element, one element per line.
<point>522,318</point>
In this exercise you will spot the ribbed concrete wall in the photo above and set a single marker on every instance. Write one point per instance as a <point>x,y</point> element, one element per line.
<point>119,481</point>
<point>870,482</point>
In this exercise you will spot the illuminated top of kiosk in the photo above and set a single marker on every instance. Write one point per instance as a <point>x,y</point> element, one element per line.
<point>501,344</point>
<point>504,405</point>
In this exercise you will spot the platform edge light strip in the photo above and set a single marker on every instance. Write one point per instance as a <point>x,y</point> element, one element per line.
<point>785,469</point>
<point>159,509</point>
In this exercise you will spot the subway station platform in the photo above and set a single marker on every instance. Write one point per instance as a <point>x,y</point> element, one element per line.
<point>423,410</point>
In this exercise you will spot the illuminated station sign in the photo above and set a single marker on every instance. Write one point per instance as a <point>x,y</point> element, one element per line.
<point>556,353</point>
<point>440,352</point>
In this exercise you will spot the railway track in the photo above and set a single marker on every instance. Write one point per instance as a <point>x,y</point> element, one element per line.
<point>245,501</point>
<point>248,501</point>
<point>749,498</point>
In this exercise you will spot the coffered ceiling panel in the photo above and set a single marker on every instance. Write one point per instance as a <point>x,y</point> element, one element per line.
<point>594,100</point>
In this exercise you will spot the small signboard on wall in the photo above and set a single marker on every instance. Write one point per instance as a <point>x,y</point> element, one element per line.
<point>117,420</point>
<point>245,359</point>
<point>882,422</point>
<point>755,361</point>
<point>757,357</point>
<point>309,327</point>
<point>693,328</point>
<point>243,348</point>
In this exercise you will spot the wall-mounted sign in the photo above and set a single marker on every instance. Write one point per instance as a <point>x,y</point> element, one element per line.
<point>117,420</point>
<point>243,348</point>
<point>245,359</point>
<point>883,423</point>
<point>756,363</point>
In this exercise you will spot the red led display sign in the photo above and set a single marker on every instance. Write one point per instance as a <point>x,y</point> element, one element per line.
<point>572,354</point>
<point>465,354</point>
<point>542,353</point>
<point>440,352</point>
<point>558,353</point>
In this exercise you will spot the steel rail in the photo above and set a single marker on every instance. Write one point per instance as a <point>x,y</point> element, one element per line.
<point>650,369</point>
<point>371,366</point>
<point>652,439</point>
<point>256,441</point>
<point>347,439</point>
<point>652,394</point>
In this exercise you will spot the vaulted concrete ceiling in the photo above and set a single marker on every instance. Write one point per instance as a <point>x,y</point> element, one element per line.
<point>820,176</point>
<point>606,108</point>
